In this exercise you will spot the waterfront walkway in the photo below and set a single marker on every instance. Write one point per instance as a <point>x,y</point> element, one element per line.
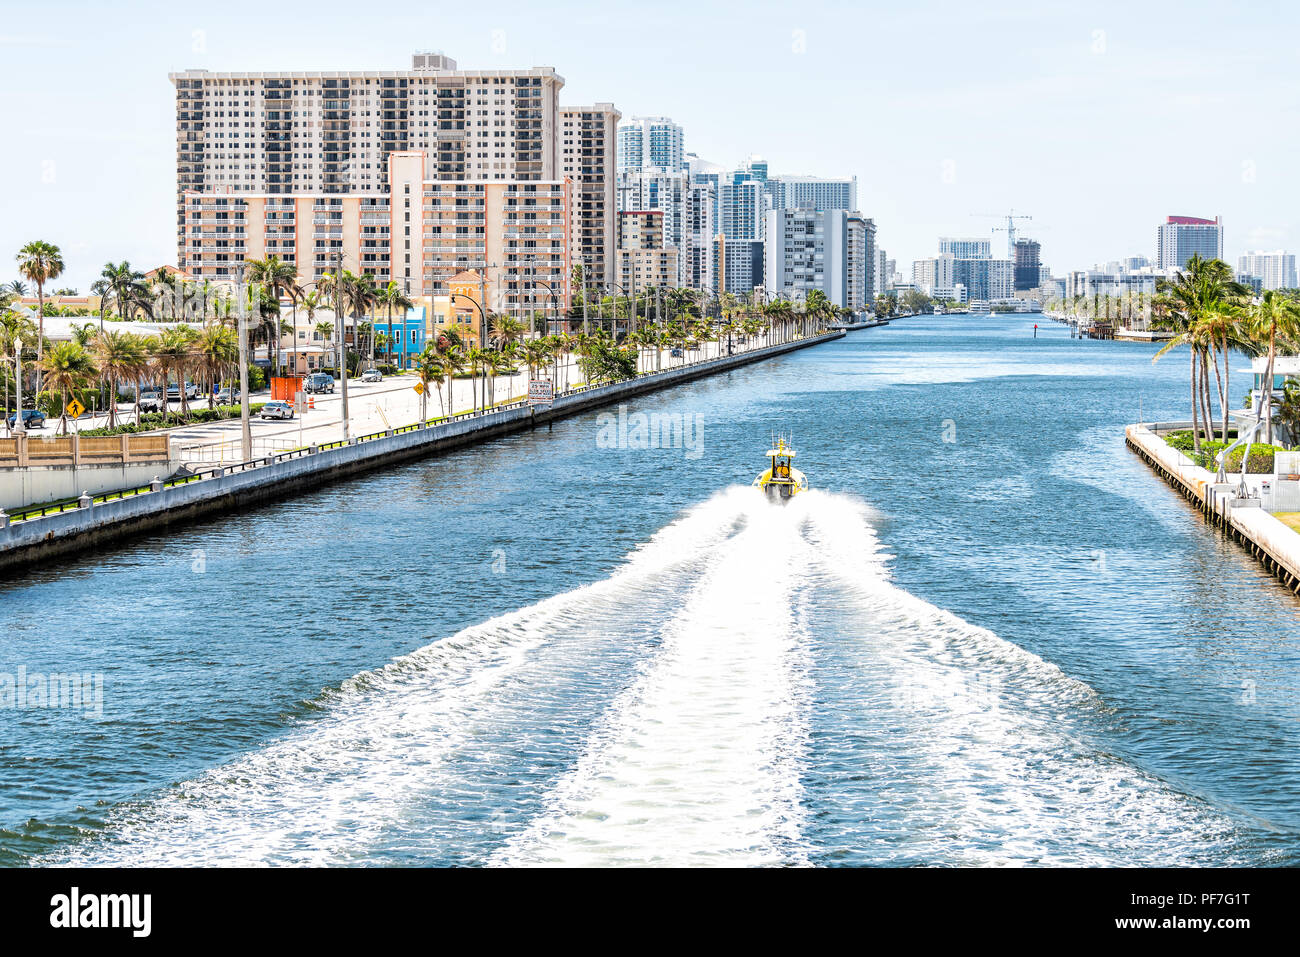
<point>48,532</point>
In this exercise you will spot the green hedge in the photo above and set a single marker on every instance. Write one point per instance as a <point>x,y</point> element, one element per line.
<point>152,421</point>
<point>1261,455</point>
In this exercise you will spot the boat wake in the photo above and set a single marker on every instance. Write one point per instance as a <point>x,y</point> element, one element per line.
<point>748,688</point>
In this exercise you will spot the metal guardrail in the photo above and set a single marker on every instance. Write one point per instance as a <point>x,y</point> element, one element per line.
<point>72,505</point>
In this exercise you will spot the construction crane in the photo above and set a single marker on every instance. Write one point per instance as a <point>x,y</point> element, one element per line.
<point>1010,228</point>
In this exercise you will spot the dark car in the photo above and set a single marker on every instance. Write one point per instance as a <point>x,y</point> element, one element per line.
<point>319,382</point>
<point>32,419</point>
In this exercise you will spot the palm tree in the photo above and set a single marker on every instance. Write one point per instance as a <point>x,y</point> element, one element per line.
<point>216,350</point>
<point>453,360</point>
<point>14,327</point>
<point>126,287</point>
<point>428,368</point>
<point>392,297</point>
<point>1273,316</point>
<point>1182,304</point>
<point>174,356</point>
<point>40,262</point>
<point>277,279</point>
<point>66,367</point>
<point>505,330</point>
<point>119,355</point>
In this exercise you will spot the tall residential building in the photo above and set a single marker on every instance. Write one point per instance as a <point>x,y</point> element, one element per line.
<point>809,249</point>
<point>643,259</point>
<point>1179,237</point>
<point>966,248</point>
<point>860,235</point>
<point>987,279</point>
<point>421,232</point>
<point>1275,270</point>
<point>587,140</point>
<point>650,141</point>
<point>1027,264</point>
<point>737,266</point>
<point>656,188</point>
<point>813,192</point>
<point>934,276</point>
<point>880,273</point>
<point>333,132</point>
<point>701,229</point>
<point>742,206</point>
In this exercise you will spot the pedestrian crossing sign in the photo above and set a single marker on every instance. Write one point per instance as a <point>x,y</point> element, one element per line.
<point>74,409</point>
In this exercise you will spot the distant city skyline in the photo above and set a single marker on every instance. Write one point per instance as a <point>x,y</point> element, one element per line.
<point>1064,112</point>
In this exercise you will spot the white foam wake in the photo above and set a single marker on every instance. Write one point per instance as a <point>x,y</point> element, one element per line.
<point>321,795</point>
<point>987,754</point>
<point>700,760</point>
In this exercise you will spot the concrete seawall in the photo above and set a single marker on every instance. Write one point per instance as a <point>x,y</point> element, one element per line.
<point>246,486</point>
<point>1275,544</point>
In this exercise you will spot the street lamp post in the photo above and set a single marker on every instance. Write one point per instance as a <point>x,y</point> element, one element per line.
<point>343,349</point>
<point>555,300</point>
<point>246,430</point>
<point>18,415</point>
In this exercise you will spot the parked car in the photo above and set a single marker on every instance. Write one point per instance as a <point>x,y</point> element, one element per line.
<point>228,396</point>
<point>319,382</point>
<point>371,375</point>
<point>32,419</point>
<point>676,353</point>
<point>152,401</point>
<point>277,409</point>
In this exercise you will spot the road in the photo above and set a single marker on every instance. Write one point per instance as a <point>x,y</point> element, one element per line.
<point>372,407</point>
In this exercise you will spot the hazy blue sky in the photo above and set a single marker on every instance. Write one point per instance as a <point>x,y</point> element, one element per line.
<point>1097,118</point>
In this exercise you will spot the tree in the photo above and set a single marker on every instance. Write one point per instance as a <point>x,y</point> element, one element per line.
<point>118,356</point>
<point>391,297</point>
<point>1182,304</point>
<point>40,262</point>
<point>429,368</point>
<point>173,356</point>
<point>127,288</point>
<point>66,366</point>
<point>1275,315</point>
<point>216,350</point>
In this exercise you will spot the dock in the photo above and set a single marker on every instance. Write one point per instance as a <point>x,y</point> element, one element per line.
<point>1270,540</point>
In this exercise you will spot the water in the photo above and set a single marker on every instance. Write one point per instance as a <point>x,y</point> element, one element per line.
<point>988,635</point>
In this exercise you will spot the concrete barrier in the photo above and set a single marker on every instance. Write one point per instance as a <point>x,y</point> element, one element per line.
<point>235,488</point>
<point>1274,543</point>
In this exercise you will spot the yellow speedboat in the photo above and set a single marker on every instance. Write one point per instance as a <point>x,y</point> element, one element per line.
<point>782,481</point>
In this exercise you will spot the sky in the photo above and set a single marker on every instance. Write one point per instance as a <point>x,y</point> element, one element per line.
<point>1097,119</point>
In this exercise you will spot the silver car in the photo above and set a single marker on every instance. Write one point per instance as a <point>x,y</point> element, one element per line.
<point>277,410</point>
<point>371,375</point>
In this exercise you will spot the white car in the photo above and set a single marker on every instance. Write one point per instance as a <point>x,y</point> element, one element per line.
<point>276,410</point>
<point>371,375</point>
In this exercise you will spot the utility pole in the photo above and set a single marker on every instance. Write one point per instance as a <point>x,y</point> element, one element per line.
<point>246,430</point>
<point>342,340</point>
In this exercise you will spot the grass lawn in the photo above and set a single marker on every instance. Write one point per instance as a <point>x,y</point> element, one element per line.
<point>1290,519</point>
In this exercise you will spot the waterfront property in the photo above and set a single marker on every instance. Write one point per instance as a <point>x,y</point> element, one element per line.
<point>1242,507</point>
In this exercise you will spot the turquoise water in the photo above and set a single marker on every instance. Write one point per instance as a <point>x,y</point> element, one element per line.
<point>988,635</point>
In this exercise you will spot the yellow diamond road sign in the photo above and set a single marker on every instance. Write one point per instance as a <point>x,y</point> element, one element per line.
<point>74,408</point>
<point>419,388</point>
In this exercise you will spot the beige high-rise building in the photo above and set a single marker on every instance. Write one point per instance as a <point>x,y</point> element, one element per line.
<point>588,135</point>
<point>643,259</point>
<point>321,133</point>
<point>420,232</point>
